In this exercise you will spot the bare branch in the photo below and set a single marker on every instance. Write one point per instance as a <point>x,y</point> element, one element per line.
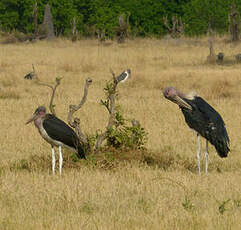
<point>110,105</point>
<point>106,104</point>
<point>73,108</point>
<point>181,27</point>
<point>176,27</point>
<point>174,24</point>
<point>121,20</point>
<point>165,21</point>
<point>53,88</point>
<point>122,29</point>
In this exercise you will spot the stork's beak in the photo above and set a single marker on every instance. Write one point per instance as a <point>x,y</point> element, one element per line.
<point>34,117</point>
<point>178,100</point>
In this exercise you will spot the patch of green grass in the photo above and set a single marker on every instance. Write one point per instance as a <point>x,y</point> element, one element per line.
<point>223,206</point>
<point>237,203</point>
<point>187,204</point>
<point>22,164</point>
<point>87,207</point>
<point>9,95</point>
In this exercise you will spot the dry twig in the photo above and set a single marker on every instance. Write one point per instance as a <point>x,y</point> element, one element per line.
<point>73,108</point>
<point>53,88</point>
<point>110,106</point>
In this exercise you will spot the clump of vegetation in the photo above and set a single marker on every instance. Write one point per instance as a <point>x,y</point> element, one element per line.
<point>118,133</point>
<point>187,204</point>
<point>223,206</point>
<point>123,135</point>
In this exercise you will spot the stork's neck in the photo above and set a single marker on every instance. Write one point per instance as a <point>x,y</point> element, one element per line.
<point>191,95</point>
<point>38,122</point>
<point>180,94</point>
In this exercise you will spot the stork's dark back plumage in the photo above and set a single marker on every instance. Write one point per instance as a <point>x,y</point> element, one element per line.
<point>60,131</point>
<point>208,123</point>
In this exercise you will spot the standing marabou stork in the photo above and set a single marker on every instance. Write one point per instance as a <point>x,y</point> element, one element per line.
<point>56,133</point>
<point>204,119</point>
<point>124,76</point>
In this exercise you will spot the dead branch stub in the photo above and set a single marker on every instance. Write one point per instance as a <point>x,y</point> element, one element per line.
<point>75,123</point>
<point>211,58</point>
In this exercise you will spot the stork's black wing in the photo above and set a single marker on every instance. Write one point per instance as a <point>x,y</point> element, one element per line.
<point>60,131</point>
<point>207,122</point>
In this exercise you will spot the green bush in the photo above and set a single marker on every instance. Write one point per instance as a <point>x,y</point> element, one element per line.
<point>122,135</point>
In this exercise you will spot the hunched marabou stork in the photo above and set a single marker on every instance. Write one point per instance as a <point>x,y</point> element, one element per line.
<point>56,133</point>
<point>204,119</point>
<point>124,76</point>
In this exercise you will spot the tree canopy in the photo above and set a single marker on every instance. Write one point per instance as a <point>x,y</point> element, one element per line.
<point>145,16</point>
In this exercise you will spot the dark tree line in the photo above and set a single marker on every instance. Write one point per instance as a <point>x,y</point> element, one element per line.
<point>145,16</point>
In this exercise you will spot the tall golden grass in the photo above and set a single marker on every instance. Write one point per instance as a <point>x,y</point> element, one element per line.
<point>154,189</point>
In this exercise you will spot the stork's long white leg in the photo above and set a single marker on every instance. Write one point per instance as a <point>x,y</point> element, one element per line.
<point>60,160</point>
<point>198,153</point>
<point>206,157</point>
<point>53,160</point>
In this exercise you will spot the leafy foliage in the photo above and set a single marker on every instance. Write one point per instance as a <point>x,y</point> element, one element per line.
<point>118,133</point>
<point>146,16</point>
<point>129,136</point>
<point>201,15</point>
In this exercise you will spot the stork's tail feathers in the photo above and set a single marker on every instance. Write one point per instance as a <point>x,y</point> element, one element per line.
<point>81,152</point>
<point>222,148</point>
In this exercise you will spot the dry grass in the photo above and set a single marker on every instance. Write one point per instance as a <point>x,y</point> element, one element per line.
<point>153,189</point>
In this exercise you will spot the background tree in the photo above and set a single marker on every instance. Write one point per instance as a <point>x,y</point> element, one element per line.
<point>146,16</point>
<point>200,15</point>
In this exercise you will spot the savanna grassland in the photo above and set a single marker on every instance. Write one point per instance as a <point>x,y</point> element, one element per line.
<point>154,189</point>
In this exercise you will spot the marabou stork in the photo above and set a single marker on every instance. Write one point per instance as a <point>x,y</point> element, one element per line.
<point>124,76</point>
<point>56,133</point>
<point>204,119</point>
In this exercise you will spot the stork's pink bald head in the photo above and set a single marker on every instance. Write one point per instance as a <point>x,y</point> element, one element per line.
<point>170,92</point>
<point>176,96</point>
